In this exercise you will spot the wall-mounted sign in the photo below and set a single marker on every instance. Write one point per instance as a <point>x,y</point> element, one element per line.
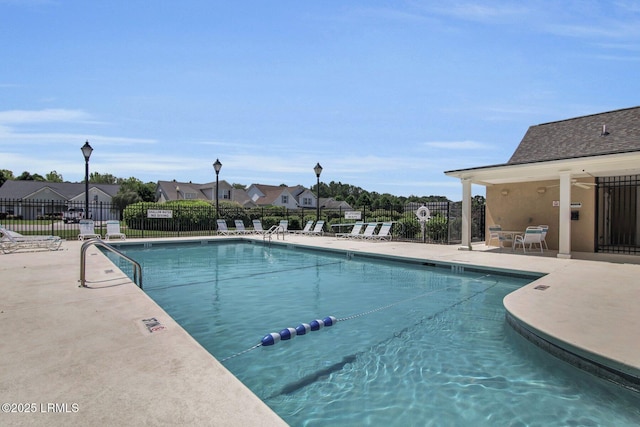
<point>574,205</point>
<point>159,213</point>
<point>353,215</point>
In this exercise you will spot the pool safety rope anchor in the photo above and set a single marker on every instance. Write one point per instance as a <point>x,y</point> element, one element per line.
<point>301,329</point>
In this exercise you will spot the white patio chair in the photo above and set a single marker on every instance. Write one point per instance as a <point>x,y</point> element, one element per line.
<point>222,227</point>
<point>306,229</point>
<point>384,233</point>
<point>12,241</point>
<point>284,226</point>
<point>113,230</point>
<point>494,234</point>
<point>317,229</point>
<point>257,227</point>
<point>545,228</point>
<point>532,236</point>
<point>240,229</point>
<point>87,230</point>
<point>355,231</point>
<point>368,231</point>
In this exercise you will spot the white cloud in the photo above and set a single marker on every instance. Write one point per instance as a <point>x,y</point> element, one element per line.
<point>43,116</point>
<point>9,137</point>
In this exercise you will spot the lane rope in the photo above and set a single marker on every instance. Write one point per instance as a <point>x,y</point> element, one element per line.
<point>317,324</point>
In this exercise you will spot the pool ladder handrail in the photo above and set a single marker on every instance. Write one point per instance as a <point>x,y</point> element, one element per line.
<point>274,229</point>
<point>137,269</point>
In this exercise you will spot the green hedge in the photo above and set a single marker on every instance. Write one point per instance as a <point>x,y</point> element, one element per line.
<point>187,214</point>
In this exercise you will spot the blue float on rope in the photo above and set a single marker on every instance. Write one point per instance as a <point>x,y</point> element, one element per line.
<point>317,324</point>
<point>301,329</point>
<point>287,333</point>
<point>270,339</point>
<point>329,320</point>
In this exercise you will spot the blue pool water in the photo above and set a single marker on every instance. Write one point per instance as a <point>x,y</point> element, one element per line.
<point>416,345</point>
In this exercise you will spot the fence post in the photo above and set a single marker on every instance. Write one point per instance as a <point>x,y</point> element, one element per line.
<point>448,223</point>
<point>142,219</point>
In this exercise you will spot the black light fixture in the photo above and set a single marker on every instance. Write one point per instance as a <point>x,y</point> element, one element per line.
<point>217,166</point>
<point>86,152</point>
<point>318,170</point>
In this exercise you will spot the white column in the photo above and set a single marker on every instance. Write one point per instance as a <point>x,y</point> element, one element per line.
<point>466,215</point>
<point>564,230</point>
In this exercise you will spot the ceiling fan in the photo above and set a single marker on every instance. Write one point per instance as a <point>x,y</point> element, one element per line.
<point>583,185</point>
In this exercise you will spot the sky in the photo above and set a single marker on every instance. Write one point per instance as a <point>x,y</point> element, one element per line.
<point>385,95</point>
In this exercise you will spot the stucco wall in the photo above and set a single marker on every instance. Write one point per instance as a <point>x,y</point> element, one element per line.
<point>523,205</point>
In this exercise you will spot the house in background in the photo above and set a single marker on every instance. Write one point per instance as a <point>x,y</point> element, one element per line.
<point>580,176</point>
<point>34,199</point>
<point>288,197</point>
<point>173,190</point>
<point>331,203</point>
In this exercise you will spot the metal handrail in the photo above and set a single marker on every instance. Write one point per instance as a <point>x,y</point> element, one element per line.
<point>274,229</point>
<point>137,269</point>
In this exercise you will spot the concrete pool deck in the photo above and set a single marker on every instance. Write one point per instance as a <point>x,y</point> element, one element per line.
<point>74,356</point>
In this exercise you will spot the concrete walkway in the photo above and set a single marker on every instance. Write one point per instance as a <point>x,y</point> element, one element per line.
<point>88,357</point>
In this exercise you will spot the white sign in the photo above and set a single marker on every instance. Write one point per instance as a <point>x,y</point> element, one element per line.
<point>159,213</point>
<point>575,205</point>
<point>353,215</point>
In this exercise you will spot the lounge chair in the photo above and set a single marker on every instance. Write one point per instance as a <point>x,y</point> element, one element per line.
<point>383,233</point>
<point>317,229</point>
<point>306,229</point>
<point>531,236</point>
<point>87,230</point>
<point>222,228</point>
<point>12,241</point>
<point>240,227</point>
<point>113,230</point>
<point>355,231</point>
<point>368,231</point>
<point>257,227</point>
<point>284,224</point>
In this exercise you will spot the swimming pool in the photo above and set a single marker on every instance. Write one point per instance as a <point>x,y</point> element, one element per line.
<point>416,345</point>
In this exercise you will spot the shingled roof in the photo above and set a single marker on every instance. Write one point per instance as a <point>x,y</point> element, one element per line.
<point>18,189</point>
<point>597,134</point>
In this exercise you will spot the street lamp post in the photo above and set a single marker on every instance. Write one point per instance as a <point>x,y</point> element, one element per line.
<point>318,170</point>
<point>86,152</point>
<point>217,166</point>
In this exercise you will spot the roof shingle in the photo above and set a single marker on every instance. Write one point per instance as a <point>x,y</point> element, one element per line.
<point>597,134</point>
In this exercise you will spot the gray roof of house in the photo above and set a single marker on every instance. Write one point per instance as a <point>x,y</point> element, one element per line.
<point>169,188</point>
<point>20,189</point>
<point>597,134</point>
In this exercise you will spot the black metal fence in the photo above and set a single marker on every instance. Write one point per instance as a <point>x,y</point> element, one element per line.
<point>618,215</point>
<point>174,219</point>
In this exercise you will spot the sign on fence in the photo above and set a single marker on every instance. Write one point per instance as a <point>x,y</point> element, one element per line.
<point>159,213</point>
<point>353,215</point>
